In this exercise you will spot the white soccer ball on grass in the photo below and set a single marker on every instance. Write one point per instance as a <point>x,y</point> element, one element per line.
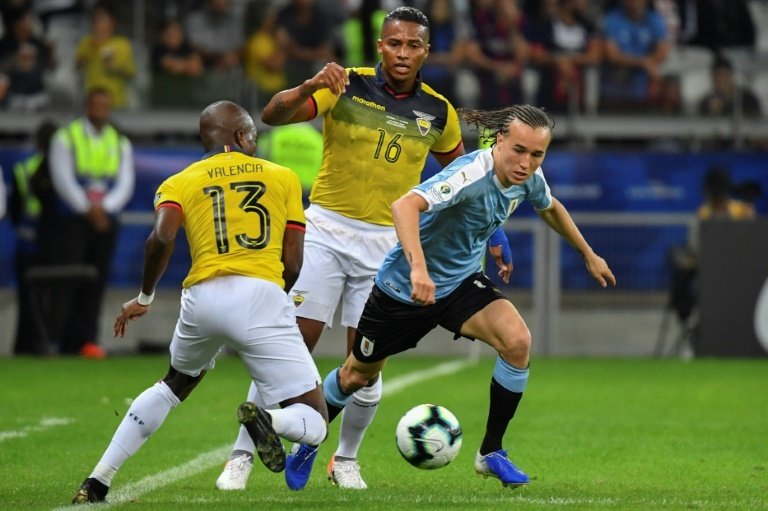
<point>428,436</point>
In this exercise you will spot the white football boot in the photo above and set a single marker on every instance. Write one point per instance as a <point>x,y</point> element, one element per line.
<point>235,473</point>
<point>346,474</point>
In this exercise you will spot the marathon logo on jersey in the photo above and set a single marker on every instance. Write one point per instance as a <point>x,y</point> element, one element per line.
<point>424,122</point>
<point>441,191</point>
<point>366,346</point>
<point>157,197</point>
<point>298,297</point>
<point>369,104</point>
<point>513,206</point>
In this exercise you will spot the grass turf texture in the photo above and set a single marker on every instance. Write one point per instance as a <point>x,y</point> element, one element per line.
<point>592,433</point>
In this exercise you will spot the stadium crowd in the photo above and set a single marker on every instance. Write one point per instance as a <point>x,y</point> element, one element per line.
<point>627,56</point>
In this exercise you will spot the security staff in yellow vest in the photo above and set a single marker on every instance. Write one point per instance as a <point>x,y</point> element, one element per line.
<point>31,193</point>
<point>298,147</point>
<point>93,176</point>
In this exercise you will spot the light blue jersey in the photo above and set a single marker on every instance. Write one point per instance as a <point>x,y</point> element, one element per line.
<point>466,205</point>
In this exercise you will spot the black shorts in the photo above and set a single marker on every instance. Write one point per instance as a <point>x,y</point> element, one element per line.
<point>388,326</point>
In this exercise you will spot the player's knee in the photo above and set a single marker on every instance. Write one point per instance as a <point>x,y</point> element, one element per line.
<point>316,425</point>
<point>352,380</point>
<point>515,345</point>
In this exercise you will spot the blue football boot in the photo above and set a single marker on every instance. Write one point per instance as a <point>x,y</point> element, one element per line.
<point>496,464</point>
<point>298,465</point>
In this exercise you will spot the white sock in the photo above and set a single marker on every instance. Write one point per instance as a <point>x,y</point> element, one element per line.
<point>144,417</point>
<point>299,423</point>
<point>357,416</point>
<point>244,442</point>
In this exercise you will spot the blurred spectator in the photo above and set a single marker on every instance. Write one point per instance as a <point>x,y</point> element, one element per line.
<point>719,203</point>
<point>51,12</point>
<point>669,100</point>
<point>360,32</point>
<point>669,103</point>
<point>636,44</point>
<point>669,12</point>
<point>31,193</point>
<point>563,43</point>
<point>748,191</point>
<point>5,84</point>
<point>105,58</point>
<point>298,147</point>
<point>24,59</point>
<point>93,177</point>
<point>310,39</point>
<point>447,39</point>
<point>498,51</point>
<point>175,66</point>
<point>726,96</point>
<point>216,33</point>
<point>11,9</point>
<point>265,56</point>
<point>716,23</point>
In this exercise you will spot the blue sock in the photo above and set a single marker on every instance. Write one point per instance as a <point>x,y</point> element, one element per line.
<point>507,386</point>
<point>509,376</point>
<point>335,398</point>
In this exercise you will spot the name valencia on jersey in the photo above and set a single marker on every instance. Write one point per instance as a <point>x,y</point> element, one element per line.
<point>235,170</point>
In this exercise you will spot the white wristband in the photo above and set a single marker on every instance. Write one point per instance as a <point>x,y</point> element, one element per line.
<point>145,300</point>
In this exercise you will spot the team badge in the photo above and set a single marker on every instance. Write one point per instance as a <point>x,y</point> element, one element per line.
<point>513,206</point>
<point>442,191</point>
<point>424,122</point>
<point>298,297</point>
<point>366,346</point>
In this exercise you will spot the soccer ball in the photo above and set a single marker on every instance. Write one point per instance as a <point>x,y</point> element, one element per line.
<point>428,436</point>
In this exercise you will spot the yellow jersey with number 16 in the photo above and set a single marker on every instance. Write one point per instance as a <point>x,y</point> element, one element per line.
<point>236,210</point>
<point>375,144</point>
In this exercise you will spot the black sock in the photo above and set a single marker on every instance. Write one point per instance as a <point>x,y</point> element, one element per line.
<point>502,408</point>
<point>333,411</point>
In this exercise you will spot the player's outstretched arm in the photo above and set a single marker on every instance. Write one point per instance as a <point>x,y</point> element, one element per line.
<point>558,218</point>
<point>405,213</point>
<point>157,252</point>
<point>293,105</point>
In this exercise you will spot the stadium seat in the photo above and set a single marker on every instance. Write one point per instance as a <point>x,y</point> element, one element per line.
<point>759,11</point>
<point>694,84</point>
<point>759,86</point>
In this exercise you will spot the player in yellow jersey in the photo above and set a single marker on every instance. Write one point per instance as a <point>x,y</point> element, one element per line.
<point>245,227</point>
<point>379,126</point>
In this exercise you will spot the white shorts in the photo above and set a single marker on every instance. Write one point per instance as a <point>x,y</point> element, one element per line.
<point>257,320</point>
<point>341,257</point>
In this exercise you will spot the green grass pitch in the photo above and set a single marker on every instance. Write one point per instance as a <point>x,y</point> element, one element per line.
<point>594,434</point>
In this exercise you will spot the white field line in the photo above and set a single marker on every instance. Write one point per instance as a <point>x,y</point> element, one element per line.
<point>44,424</point>
<point>215,457</point>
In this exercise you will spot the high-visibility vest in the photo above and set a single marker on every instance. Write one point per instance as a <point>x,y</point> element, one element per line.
<point>482,139</point>
<point>23,172</point>
<point>296,146</point>
<point>95,157</point>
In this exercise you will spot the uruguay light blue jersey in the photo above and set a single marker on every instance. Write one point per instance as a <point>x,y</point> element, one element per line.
<point>466,205</point>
